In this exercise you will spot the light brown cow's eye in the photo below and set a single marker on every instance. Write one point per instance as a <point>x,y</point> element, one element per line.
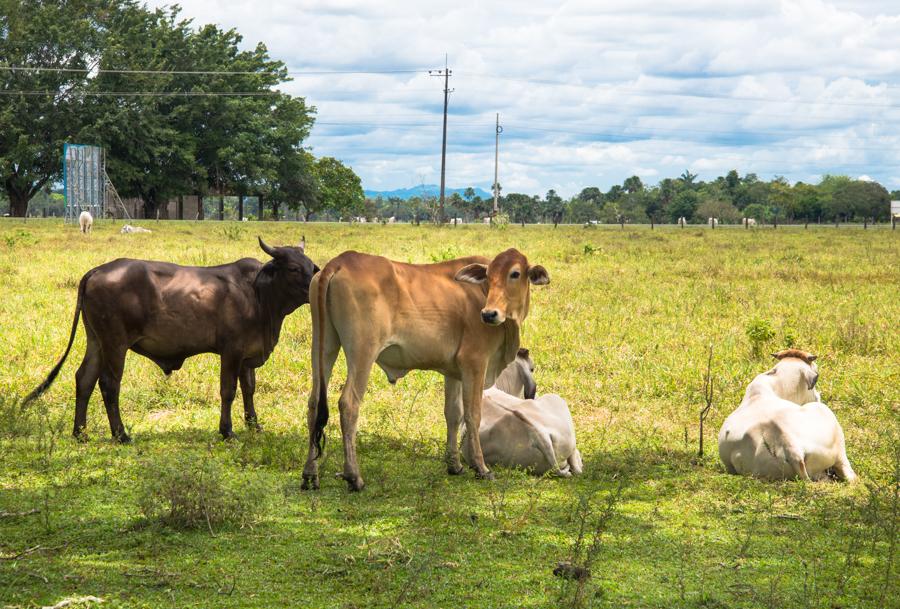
<point>514,275</point>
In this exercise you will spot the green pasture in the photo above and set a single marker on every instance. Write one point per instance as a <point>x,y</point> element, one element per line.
<point>622,332</point>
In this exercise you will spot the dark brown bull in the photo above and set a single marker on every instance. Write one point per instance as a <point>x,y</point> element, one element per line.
<point>168,313</point>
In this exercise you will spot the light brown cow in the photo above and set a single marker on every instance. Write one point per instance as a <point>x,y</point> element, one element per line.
<point>460,318</point>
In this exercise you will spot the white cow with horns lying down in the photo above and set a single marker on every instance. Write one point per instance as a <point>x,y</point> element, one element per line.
<point>781,430</point>
<point>535,433</point>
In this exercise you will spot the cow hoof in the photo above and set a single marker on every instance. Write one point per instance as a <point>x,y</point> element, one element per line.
<point>80,436</point>
<point>455,470</point>
<point>123,438</point>
<point>254,426</point>
<point>354,483</point>
<point>310,483</point>
<point>485,476</point>
<point>228,435</point>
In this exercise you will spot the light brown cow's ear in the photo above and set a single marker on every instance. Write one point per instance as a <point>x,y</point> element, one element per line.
<point>472,273</point>
<point>538,275</point>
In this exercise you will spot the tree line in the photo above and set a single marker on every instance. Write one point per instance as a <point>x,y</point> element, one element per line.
<point>179,109</point>
<point>729,198</point>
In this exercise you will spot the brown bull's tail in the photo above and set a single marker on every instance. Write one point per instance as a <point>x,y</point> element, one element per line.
<point>52,376</point>
<point>320,383</point>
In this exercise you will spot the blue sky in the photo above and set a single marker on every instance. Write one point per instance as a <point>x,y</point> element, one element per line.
<point>590,92</point>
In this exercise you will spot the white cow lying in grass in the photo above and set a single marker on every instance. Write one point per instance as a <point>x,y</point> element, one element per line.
<point>781,430</point>
<point>127,229</point>
<point>536,433</point>
<point>86,221</point>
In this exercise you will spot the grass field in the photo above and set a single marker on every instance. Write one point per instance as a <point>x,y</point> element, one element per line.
<point>622,332</point>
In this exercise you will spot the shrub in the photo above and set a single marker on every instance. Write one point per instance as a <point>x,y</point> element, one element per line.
<point>189,492</point>
<point>232,232</point>
<point>760,332</point>
<point>448,253</point>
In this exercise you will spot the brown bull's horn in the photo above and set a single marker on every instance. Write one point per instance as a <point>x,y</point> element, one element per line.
<point>269,250</point>
<point>302,244</point>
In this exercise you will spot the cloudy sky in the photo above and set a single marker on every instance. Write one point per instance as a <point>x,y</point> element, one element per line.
<point>589,92</point>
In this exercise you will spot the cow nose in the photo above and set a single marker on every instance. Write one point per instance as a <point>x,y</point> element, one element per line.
<point>489,316</point>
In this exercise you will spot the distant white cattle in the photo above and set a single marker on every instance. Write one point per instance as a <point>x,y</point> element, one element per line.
<point>536,433</point>
<point>487,220</point>
<point>748,222</point>
<point>713,222</point>
<point>682,221</point>
<point>86,221</point>
<point>391,220</point>
<point>128,229</point>
<point>457,220</point>
<point>781,430</point>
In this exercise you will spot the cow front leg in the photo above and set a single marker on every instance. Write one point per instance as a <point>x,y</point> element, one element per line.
<point>111,370</point>
<point>227,389</point>
<point>248,388</point>
<point>453,413</point>
<point>473,389</point>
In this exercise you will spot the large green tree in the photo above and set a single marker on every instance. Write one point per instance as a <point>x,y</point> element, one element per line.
<point>177,108</point>
<point>339,188</point>
<point>41,110</point>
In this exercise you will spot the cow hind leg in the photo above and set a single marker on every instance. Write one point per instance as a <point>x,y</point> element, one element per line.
<point>248,387</point>
<point>358,372</point>
<point>110,383</point>
<point>318,398</point>
<point>453,413</point>
<point>85,382</point>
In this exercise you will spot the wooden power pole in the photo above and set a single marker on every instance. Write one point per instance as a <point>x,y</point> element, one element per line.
<point>446,72</point>
<point>497,133</point>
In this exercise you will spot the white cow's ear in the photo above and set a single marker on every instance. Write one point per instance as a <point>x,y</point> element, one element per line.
<point>538,275</point>
<point>472,273</point>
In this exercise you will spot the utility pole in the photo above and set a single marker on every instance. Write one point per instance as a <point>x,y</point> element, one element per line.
<point>446,74</point>
<point>499,130</point>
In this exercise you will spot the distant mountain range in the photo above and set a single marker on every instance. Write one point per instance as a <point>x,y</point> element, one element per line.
<point>428,189</point>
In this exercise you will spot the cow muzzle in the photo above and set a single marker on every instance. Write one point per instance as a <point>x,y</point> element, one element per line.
<point>491,317</point>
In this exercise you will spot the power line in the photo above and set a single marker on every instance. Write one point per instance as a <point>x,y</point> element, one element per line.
<point>205,72</point>
<point>546,82</point>
<point>148,93</point>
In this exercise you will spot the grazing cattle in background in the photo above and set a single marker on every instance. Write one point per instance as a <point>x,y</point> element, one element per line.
<point>86,221</point>
<point>682,221</point>
<point>748,222</point>
<point>460,318</point>
<point>169,313</point>
<point>536,433</point>
<point>713,222</point>
<point>781,430</point>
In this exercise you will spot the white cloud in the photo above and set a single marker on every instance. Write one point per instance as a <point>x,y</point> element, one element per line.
<point>591,92</point>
